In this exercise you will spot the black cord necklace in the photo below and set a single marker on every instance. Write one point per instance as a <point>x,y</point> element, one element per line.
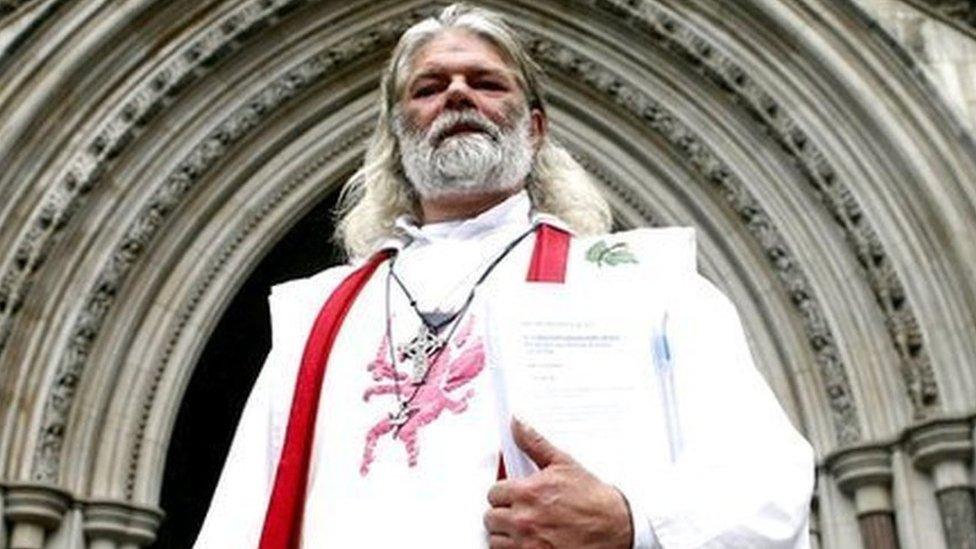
<point>426,346</point>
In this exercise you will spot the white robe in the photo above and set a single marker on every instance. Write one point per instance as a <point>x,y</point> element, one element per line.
<point>743,479</point>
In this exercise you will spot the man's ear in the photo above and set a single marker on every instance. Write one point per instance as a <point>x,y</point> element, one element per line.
<point>540,127</point>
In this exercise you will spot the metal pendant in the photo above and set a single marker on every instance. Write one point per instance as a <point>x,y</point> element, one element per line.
<point>398,418</point>
<point>436,319</point>
<point>421,352</point>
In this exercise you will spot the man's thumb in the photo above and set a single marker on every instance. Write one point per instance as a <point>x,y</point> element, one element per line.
<point>539,450</point>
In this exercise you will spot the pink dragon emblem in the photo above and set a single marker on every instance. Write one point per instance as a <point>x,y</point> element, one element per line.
<point>447,374</point>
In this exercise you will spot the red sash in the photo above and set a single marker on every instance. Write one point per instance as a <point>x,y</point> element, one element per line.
<point>283,521</point>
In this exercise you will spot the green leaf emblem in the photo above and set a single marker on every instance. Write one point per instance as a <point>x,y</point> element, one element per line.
<point>611,255</point>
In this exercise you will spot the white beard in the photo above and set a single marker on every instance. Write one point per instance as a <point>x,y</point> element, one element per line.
<point>495,159</point>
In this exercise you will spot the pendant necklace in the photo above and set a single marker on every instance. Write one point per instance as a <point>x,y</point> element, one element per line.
<point>422,351</point>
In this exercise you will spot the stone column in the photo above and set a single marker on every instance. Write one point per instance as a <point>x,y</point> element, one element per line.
<point>944,448</point>
<point>865,474</point>
<point>70,534</point>
<point>120,525</point>
<point>32,510</point>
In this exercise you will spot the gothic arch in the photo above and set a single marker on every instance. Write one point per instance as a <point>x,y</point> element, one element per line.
<point>157,151</point>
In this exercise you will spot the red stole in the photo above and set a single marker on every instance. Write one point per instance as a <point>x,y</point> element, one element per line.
<point>283,521</point>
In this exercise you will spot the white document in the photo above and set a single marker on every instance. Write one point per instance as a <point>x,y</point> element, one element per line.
<point>587,372</point>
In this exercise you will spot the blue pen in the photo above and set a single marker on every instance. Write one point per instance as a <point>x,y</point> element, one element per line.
<point>665,378</point>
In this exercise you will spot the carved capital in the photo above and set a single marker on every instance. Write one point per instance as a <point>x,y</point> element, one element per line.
<point>857,467</point>
<point>940,441</point>
<point>121,521</point>
<point>37,504</point>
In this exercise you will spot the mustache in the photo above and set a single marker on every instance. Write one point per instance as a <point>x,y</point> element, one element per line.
<point>453,122</point>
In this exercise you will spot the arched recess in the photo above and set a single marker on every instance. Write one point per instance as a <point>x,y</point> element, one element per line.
<point>167,147</point>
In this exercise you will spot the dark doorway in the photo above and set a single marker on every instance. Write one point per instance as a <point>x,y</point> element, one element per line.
<point>228,367</point>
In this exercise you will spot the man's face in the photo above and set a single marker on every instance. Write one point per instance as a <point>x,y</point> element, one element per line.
<point>462,122</point>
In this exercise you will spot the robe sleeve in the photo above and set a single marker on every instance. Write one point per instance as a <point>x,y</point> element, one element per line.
<point>239,504</point>
<point>744,475</point>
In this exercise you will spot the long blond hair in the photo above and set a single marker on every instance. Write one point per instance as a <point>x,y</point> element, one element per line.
<point>378,192</point>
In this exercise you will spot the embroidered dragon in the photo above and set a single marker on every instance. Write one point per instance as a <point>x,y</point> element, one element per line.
<point>455,366</point>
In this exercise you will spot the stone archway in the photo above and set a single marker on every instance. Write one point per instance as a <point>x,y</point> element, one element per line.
<point>156,152</point>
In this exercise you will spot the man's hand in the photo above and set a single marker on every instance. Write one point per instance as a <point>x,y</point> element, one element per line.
<point>563,506</point>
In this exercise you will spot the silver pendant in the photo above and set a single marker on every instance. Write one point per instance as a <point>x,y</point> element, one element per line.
<point>400,417</point>
<point>420,352</point>
<point>436,318</point>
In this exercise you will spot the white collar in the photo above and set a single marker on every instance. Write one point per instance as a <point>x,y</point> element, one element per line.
<point>514,212</point>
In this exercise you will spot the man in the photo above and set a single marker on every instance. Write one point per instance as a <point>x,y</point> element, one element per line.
<point>463,192</point>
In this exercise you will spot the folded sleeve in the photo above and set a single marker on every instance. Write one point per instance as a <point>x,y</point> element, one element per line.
<point>743,476</point>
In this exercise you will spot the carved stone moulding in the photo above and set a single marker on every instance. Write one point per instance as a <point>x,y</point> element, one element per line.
<point>822,177</point>
<point>230,246</point>
<point>39,504</point>
<point>121,522</point>
<point>35,510</point>
<point>32,510</point>
<point>857,467</point>
<point>86,168</point>
<point>938,441</point>
<point>164,201</point>
<point>928,444</point>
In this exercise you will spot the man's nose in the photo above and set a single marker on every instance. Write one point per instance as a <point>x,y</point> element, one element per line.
<point>458,95</point>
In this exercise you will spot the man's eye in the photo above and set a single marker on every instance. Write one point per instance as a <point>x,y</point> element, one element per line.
<point>490,85</point>
<point>424,91</point>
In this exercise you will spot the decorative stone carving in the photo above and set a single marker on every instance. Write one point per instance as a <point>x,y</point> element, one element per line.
<point>713,170</point>
<point>621,191</point>
<point>671,34</point>
<point>121,522</point>
<point>85,170</point>
<point>227,250</point>
<point>164,200</point>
